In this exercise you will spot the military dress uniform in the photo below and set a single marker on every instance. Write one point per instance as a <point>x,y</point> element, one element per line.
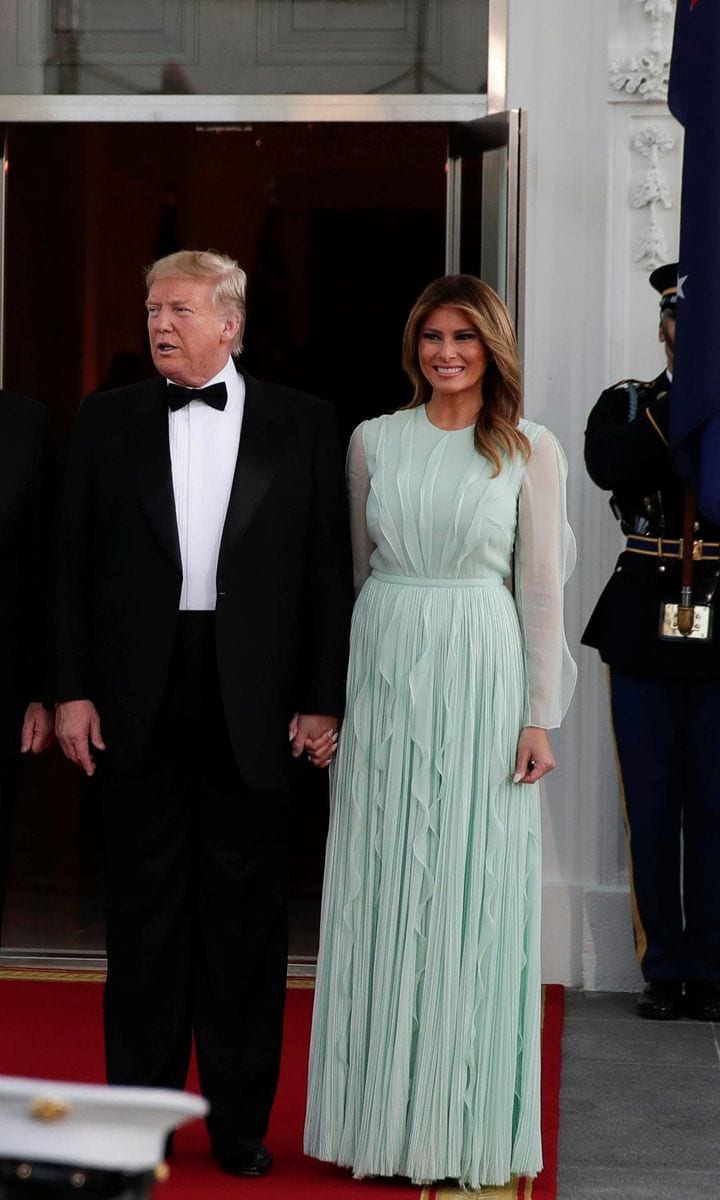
<point>665,699</point>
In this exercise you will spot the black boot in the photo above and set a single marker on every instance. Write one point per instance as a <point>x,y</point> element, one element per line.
<point>661,1000</point>
<point>702,1000</point>
<point>249,1158</point>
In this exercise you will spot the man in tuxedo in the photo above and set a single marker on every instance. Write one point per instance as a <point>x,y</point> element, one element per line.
<point>25,725</point>
<point>203,609</point>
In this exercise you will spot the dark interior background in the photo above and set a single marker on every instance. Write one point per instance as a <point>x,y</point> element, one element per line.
<point>338,226</point>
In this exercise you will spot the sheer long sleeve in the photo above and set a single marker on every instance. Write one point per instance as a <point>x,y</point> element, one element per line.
<point>544,559</point>
<point>358,483</point>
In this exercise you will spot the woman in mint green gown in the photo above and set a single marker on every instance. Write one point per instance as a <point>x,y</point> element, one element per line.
<point>425,1054</point>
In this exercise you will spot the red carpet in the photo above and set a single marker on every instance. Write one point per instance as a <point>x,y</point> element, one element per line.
<point>50,1027</point>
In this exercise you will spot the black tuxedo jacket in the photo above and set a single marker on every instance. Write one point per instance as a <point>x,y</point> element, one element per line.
<point>283,578</point>
<point>24,487</point>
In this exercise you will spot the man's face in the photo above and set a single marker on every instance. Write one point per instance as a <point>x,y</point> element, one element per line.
<point>666,334</point>
<point>190,341</point>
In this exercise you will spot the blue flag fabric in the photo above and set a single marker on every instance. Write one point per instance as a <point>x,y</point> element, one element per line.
<point>694,98</point>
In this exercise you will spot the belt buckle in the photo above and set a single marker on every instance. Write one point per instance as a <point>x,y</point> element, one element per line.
<point>698,549</point>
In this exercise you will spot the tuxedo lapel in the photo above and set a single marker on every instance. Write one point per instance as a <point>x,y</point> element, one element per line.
<point>155,470</point>
<point>261,444</point>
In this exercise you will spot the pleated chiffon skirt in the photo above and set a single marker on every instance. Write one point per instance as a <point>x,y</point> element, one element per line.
<point>425,1053</point>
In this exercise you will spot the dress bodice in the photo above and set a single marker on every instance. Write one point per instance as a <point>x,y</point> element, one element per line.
<point>426,505</point>
<point>434,509</point>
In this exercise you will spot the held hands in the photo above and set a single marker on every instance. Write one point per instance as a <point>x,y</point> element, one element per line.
<point>534,755</point>
<point>314,734</point>
<point>77,726</point>
<point>38,729</point>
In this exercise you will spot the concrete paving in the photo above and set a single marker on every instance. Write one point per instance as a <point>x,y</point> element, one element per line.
<point>639,1104</point>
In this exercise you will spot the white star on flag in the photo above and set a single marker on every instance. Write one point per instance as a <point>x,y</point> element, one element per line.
<point>680,292</point>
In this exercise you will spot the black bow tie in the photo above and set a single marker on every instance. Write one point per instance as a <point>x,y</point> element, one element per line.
<point>215,395</point>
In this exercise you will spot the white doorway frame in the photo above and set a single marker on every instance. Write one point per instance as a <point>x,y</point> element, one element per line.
<point>229,110</point>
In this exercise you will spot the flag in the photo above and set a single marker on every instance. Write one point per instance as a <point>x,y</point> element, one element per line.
<point>694,98</point>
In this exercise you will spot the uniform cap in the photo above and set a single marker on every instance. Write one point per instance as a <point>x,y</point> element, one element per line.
<point>665,281</point>
<point>88,1125</point>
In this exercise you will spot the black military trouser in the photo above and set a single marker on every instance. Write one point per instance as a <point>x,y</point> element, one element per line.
<point>668,741</point>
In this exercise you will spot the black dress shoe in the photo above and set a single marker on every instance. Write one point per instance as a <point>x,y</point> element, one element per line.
<point>702,1000</point>
<point>250,1160</point>
<point>661,1000</point>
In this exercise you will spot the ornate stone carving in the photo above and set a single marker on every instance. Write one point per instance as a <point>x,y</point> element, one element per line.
<point>652,193</point>
<point>645,73</point>
<point>658,9</point>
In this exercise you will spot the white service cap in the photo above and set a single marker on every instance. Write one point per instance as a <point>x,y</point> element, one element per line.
<point>89,1125</point>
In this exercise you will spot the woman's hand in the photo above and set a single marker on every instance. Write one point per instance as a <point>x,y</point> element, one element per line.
<point>320,750</point>
<point>315,735</point>
<point>534,755</point>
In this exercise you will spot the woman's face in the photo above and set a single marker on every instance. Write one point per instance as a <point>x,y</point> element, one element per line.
<point>452,356</point>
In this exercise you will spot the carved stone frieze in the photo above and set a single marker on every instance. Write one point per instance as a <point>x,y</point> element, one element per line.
<point>644,73</point>
<point>653,193</point>
<point>658,9</point>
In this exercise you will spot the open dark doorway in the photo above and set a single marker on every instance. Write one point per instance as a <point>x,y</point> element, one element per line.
<point>339,227</point>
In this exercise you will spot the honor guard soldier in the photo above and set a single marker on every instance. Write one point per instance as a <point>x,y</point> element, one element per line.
<point>62,1140</point>
<point>653,625</point>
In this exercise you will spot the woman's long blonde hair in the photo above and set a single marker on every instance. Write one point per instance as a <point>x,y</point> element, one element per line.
<point>496,428</point>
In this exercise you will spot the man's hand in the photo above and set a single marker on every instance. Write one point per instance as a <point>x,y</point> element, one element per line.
<point>534,755</point>
<point>38,729</point>
<point>77,726</point>
<point>315,733</point>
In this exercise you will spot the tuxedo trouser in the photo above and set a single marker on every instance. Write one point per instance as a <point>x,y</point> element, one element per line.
<point>196,868</point>
<point>8,789</point>
<point>667,736</point>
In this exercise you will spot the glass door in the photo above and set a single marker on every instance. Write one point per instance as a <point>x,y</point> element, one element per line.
<point>486,203</point>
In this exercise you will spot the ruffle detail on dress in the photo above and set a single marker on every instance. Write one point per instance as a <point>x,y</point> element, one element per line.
<point>426,1062</point>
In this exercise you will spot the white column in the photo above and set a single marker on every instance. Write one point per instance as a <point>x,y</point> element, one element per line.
<point>591,319</point>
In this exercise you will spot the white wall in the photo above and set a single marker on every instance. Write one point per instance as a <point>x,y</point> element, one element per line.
<point>591,319</point>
